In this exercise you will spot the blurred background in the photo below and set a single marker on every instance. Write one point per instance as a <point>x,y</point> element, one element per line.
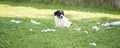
<point>87,3</point>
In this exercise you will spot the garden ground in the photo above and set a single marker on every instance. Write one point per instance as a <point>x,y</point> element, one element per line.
<point>14,35</point>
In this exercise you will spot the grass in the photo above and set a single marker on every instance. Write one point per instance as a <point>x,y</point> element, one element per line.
<point>18,35</point>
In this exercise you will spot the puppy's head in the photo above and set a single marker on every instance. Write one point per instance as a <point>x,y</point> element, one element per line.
<point>59,14</point>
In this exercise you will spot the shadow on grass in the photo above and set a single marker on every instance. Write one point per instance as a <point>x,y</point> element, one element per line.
<point>56,7</point>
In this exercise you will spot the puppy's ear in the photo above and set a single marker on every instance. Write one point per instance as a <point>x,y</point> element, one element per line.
<point>63,13</point>
<point>55,13</point>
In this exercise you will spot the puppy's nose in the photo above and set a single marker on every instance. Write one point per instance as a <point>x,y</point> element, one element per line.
<point>61,17</point>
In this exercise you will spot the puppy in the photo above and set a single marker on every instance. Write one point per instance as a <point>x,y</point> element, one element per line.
<point>61,20</point>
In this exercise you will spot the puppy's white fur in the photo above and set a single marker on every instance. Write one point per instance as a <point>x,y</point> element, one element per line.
<point>64,22</point>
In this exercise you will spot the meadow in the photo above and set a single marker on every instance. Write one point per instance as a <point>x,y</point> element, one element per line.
<point>14,35</point>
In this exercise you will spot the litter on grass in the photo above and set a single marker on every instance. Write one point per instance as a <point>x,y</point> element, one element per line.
<point>30,29</point>
<point>15,21</point>
<point>34,22</point>
<point>116,23</point>
<point>106,24</point>
<point>95,28</point>
<point>86,31</point>
<point>93,44</point>
<point>77,29</point>
<point>98,23</point>
<point>48,30</point>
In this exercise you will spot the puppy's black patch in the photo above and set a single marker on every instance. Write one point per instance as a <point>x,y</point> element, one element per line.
<point>59,13</point>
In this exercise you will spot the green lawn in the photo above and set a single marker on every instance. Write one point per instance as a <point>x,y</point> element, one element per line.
<point>14,35</point>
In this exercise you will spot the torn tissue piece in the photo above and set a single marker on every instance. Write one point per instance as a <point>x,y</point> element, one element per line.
<point>30,29</point>
<point>93,44</point>
<point>34,22</point>
<point>98,22</point>
<point>78,29</point>
<point>86,31</point>
<point>15,21</point>
<point>95,28</point>
<point>106,24</point>
<point>48,30</point>
<point>116,23</point>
